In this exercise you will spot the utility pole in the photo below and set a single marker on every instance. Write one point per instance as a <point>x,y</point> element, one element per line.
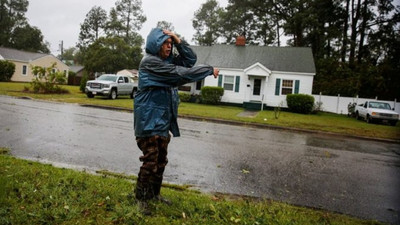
<point>62,49</point>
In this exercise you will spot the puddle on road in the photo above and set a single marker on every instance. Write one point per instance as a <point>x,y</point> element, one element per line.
<point>352,145</point>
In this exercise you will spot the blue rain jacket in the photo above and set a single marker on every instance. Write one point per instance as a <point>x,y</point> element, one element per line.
<point>157,99</point>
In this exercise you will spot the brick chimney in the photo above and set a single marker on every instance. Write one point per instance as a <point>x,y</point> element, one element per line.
<point>240,41</point>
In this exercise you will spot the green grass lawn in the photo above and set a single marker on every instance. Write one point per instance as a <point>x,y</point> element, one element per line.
<point>327,122</point>
<point>34,193</point>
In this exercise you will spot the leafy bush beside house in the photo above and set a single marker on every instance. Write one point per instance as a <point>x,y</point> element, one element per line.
<point>47,80</point>
<point>7,69</point>
<point>211,95</point>
<point>84,79</point>
<point>300,103</point>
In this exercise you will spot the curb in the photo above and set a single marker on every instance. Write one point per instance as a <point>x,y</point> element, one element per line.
<point>256,125</point>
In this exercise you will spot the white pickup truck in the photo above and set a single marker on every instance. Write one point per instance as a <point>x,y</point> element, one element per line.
<point>111,85</point>
<point>373,111</point>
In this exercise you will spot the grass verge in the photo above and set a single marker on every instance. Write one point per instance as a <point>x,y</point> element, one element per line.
<point>326,122</point>
<point>34,193</point>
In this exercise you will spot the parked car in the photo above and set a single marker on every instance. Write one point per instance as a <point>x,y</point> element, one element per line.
<point>376,111</point>
<point>111,85</point>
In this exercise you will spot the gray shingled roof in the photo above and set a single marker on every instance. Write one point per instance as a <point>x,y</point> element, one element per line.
<point>18,55</point>
<point>76,69</point>
<point>287,59</point>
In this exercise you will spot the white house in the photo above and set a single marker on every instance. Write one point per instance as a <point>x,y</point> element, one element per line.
<point>257,74</point>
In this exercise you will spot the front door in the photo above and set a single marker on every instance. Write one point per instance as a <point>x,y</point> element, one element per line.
<point>257,89</point>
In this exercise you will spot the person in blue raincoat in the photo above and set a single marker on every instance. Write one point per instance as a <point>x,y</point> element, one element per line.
<point>156,105</point>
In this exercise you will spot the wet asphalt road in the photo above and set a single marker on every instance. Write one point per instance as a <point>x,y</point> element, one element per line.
<point>355,177</point>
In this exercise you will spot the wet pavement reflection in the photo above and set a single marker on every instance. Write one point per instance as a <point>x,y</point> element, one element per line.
<point>351,176</point>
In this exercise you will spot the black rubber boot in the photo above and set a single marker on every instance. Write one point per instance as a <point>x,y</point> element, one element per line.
<point>144,191</point>
<point>144,208</point>
<point>158,197</point>
<point>163,200</point>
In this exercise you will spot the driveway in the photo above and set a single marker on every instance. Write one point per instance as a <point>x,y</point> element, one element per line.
<point>350,176</point>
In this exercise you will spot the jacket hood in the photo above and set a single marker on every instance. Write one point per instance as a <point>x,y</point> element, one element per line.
<point>154,41</point>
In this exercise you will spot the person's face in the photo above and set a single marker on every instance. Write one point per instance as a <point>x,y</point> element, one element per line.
<point>166,48</point>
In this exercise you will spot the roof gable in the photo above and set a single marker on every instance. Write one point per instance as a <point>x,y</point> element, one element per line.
<point>288,59</point>
<point>257,69</point>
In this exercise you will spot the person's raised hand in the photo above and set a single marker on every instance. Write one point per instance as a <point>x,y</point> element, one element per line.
<point>216,72</point>
<point>175,38</point>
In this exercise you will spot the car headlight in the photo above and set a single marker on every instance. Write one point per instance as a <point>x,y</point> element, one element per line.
<point>87,84</point>
<point>106,85</point>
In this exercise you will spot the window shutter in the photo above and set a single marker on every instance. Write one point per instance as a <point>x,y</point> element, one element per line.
<point>220,80</point>
<point>277,86</point>
<point>237,83</point>
<point>296,86</point>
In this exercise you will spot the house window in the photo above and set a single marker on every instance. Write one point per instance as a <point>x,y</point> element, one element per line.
<point>198,85</point>
<point>53,70</point>
<point>24,67</point>
<point>229,82</point>
<point>287,87</point>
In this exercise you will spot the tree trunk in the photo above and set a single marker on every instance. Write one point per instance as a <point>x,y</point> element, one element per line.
<point>362,31</point>
<point>328,40</point>
<point>345,29</point>
<point>353,39</point>
<point>278,33</point>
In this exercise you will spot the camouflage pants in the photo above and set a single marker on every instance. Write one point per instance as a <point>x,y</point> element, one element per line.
<point>154,161</point>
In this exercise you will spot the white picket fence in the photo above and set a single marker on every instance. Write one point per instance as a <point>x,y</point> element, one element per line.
<point>338,104</point>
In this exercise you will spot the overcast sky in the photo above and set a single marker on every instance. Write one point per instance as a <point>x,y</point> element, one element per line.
<point>60,19</point>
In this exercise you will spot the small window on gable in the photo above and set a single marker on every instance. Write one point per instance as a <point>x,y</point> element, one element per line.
<point>24,68</point>
<point>287,87</point>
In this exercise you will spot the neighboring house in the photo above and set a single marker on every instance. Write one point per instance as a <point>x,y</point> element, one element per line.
<point>24,61</point>
<point>130,73</point>
<point>254,74</point>
<point>76,80</point>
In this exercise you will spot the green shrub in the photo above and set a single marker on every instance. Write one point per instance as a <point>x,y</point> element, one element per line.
<point>47,80</point>
<point>211,95</point>
<point>83,81</point>
<point>7,69</point>
<point>300,103</point>
<point>195,98</point>
<point>184,97</point>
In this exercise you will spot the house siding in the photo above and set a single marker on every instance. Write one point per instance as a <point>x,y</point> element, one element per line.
<point>305,87</point>
<point>18,76</point>
<point>229,96</point>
